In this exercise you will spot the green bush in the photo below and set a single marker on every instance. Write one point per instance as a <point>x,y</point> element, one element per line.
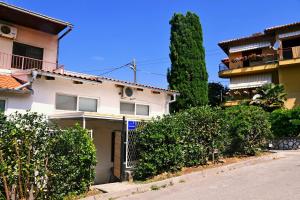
<point>249,129</point>
<point>204,131</point>
<point>71,163</point>
<point>40,161</point>
<point>159,148</point>
<point>24,150</point>
<point>184,139</point>
<point>285,122</point>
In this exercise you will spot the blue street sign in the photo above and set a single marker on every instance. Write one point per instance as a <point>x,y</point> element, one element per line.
<point>131,125</point>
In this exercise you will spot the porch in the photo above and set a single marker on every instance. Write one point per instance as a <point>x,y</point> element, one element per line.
<point>113,137</point>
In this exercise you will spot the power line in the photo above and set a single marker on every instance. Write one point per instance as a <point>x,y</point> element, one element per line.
<point>117,68</point>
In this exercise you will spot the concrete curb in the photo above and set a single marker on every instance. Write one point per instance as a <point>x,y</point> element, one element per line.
<point>133,188</point>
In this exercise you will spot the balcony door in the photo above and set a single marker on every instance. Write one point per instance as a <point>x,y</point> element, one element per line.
<point>26,56</point>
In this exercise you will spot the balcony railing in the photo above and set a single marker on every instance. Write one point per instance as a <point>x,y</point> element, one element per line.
<point>11,61</point>
<point>256,60</point>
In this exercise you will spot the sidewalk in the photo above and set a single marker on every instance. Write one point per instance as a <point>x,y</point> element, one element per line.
<point>117,190</point>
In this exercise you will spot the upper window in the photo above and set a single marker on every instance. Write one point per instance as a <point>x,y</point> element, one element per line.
<point>142,110</point>
<point>26,56</point>
<point>127,108</point>
<point>134,109</point>
<point>69,102</point>
<point>66,102</point>
<point>2,105</point>
<point>87,104</point>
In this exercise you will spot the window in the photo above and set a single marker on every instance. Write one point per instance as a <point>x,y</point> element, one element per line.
<point>69,102</point>
<point>26,56</point>
<point>2,105</point>
<point>134,109</point>
<point>66,102</point>
<point>127,108</point>
<point>142,110</point>
<point>87,104</point>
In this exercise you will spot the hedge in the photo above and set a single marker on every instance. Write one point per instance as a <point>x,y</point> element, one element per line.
<point>188,138</point>
<point>41,161</point>
<point>285,123</point>
<point>184,139</point>
<point>249,129</point>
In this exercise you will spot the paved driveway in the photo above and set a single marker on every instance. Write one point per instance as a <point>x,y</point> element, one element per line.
<point>277,179</point>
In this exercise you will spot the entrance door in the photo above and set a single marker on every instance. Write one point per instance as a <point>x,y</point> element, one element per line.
<point>116,152</point>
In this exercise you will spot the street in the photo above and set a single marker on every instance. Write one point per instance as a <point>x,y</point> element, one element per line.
<point>275,179</point>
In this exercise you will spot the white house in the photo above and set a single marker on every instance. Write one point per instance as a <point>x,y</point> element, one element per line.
<point>31,79</point>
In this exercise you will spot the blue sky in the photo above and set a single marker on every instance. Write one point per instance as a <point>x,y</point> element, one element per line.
<point>111,33</point>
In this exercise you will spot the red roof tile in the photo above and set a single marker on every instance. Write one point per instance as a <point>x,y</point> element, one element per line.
<point>8,82</point>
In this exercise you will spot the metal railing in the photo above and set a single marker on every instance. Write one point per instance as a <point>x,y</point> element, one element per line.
<point>11,61</point>
<point>256,60</point>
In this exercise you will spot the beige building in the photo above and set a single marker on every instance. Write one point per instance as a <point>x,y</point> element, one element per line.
<point>272,56</point>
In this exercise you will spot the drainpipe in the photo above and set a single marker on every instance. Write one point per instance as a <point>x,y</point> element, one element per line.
<point>59,38</point>
<point>34,75</point>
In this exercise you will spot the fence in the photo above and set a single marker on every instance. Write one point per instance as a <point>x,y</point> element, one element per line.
<point>131,153</point>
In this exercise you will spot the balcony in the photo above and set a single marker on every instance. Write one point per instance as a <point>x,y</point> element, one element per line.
<point>259,63</point>
<point>11,61</point>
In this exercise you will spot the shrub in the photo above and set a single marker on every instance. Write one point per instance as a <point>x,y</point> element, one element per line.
<point>249,129</point>
<point>204,131</point>
<point>184,139</point>
<point>71,163</point>
<point>24,148</point>
<point>158,145</point>
<point>284,122</point>
<point>34,164</point>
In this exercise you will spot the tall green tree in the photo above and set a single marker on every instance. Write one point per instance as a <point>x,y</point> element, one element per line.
<point>188,73</point>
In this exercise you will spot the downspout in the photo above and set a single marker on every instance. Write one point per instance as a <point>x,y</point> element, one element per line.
<point>59,38</point>
<point>33,78</point>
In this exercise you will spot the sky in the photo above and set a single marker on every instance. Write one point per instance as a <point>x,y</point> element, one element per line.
<point>110,33</point>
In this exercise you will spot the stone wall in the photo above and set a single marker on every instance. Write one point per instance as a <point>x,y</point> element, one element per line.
<point>286,144</point>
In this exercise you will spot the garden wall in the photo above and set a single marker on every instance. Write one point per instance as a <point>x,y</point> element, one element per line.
<point>286,144</point>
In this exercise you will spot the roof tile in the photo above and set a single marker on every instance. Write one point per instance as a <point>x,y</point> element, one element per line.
<point>8,82</point>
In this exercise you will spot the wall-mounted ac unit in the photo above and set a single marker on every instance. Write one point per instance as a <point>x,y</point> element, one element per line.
<point>8,31</point>
<point>128,92</point>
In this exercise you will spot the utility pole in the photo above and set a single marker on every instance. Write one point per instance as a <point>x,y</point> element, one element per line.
<point>133,67</point>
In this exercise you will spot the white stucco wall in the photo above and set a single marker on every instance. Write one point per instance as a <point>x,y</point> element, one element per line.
<point>43,98</point>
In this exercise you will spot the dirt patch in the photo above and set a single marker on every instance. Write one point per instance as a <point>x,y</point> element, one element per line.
<point>209,165</point>
<point>90,193</point>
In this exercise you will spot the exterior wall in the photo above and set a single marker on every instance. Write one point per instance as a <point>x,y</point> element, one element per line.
<point>34,38</point>
<point>289,77</point>
<point>43,99</point>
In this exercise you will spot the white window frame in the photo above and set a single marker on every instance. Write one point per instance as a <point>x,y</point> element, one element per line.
<point>5,104</point>
<point>77,102</point>
<point>135,103</point>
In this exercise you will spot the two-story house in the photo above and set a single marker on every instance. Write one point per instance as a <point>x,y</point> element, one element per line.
<point>31,79</point>
<point>272,56</point>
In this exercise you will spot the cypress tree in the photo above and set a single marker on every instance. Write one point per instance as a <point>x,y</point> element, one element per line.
<point>188,73</point>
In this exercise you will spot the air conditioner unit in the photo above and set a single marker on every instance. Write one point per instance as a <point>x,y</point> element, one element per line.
<point>128,92</point>
<point>8,31</point>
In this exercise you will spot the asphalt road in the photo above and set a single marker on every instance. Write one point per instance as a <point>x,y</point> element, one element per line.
<point>277,179</point>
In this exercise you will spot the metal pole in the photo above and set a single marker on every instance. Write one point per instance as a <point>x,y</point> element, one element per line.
<point>83,122</point>
<point>134,69</point>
